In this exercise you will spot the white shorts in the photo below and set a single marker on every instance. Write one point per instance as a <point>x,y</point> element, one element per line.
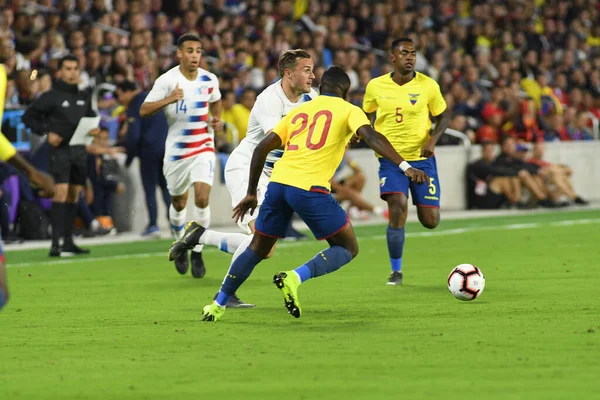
<point>180,175</point>
<point>237,174</point>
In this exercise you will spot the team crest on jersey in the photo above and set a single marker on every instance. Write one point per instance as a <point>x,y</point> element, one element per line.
<point>413,98</point>
<point>204,90</point>
<point>382,181</point>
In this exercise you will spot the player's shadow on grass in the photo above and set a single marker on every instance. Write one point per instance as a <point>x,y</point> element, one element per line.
<point>180,282</point>
<point>322,320</point>
<point>420,288</point>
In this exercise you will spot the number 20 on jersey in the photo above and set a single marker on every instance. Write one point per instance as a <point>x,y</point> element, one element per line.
<point>324,115</point>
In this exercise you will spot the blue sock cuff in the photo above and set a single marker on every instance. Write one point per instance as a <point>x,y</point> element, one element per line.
<point>396,264</point>
<point>303,272</point>
<point>222,298</point>
<point>395,230</point>
<point>2,299</point>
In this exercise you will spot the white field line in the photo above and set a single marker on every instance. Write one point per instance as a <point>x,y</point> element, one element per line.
<point>283,245</point>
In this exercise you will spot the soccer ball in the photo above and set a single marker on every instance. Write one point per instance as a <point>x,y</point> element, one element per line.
<point>466,282</point>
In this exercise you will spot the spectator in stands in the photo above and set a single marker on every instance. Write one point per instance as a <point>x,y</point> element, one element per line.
<point>558,176</point>
<point>581,130</point>
<point>555,128</point>
<point>230,135</point>
<point>240,113</point>
<point>347,185</point>
<point>104,174</point>
<point>145,138</point>
<point>509,159</point>
<point>492,185</point>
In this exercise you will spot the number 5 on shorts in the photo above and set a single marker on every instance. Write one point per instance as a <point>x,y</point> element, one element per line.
<point>432,188</point>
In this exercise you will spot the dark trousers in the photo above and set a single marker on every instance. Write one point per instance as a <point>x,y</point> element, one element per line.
<point>151,170</point>
<point>103,195</point>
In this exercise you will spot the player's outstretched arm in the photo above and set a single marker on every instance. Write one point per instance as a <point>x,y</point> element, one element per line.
<point>381,145</point>
<point>249,203</point>
<point>41,179</point>
<point>152,107</point>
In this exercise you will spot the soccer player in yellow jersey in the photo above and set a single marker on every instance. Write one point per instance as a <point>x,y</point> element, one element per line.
<point>314,136</point>
<point>9,155</point>
<point>403,102</point>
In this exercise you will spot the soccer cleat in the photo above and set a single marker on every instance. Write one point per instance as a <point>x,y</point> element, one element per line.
<point>288,283</point>
<point>71,249</point>
<point>152,231</point>
<point>395,278</point>
<point>54,251</point>
<point>181,263</point>
<point>212,312</point>
<point>236,302</point>
<point>189,240</point>
<point>198,268</point>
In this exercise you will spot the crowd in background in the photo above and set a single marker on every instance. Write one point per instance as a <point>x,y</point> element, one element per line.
<point>525,68</point>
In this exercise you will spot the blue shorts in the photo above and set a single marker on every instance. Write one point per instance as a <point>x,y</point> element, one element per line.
<point>317,208</point>
<point>392,180</point>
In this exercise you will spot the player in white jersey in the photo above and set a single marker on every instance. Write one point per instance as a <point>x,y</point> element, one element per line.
<point>293,89</point>
<point>187,94</point>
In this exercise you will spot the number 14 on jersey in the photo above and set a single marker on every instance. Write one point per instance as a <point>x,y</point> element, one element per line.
<point>180,107</point>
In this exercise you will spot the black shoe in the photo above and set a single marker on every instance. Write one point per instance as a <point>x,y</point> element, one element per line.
<point>189,240</point>
<point>198,268</point>
<point>236,302</point>
<point>547,204</point>
<point>181,263</point>
<point>71,249</point>
<point>54,251</point>
<point>395,278</point>
<point>12,239</point>
<point>580,201</point>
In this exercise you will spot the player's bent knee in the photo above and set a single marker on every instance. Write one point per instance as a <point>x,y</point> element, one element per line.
<point>178,204</point>
<point>201,201</point>
<point>429,221</point>
<point>271,252</point>
<point>353,249</point>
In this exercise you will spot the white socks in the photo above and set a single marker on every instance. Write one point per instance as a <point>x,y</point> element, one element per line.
<point>227,242</point>
<point>242,247</point>
<point>177,219</point>
<point>202,216</point>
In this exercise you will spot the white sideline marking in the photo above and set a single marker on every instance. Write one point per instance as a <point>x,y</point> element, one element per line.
<point>284,245</point>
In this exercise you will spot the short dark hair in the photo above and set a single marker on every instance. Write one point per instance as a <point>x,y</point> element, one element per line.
<point>335,79</point>
<point>289,59</point>
<point>127,86</point>
<point>187,37</point>
<point>397,42</point>
<point>68,57</point>
<point>506,138</point>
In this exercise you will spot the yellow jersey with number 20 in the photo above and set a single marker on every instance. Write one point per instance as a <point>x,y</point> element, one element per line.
<point>403,111</point>
<point>315,135</point>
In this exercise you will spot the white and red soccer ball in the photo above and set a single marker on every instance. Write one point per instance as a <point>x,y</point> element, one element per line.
<point>466,282</point>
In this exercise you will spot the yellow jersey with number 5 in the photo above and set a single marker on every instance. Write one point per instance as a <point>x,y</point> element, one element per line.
<point>315,135</point>
<point>403,111</point>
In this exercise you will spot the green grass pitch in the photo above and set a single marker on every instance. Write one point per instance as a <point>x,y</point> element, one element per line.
<point>122,324</point>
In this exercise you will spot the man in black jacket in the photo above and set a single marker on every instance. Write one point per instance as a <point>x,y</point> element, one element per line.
<point>145,139</point>
<point>57,114</point>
